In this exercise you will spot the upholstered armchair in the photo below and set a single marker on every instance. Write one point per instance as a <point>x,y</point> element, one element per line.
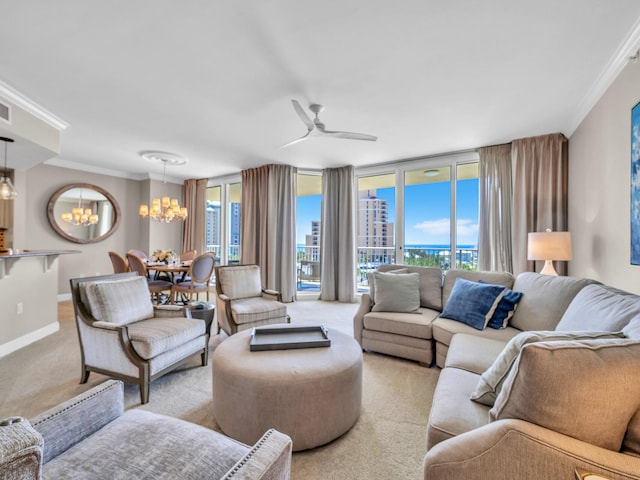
<point>241,301</point>
<point>123,335</point>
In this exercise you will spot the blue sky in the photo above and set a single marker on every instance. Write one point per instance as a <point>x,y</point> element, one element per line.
<point>427,212</point>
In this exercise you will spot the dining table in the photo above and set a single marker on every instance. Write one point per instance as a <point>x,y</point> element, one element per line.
<point>170,269</point>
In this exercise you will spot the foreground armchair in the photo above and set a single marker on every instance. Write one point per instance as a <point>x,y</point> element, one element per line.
<point>124,336</point>
<point>242,303</point>
<point>91,436</point>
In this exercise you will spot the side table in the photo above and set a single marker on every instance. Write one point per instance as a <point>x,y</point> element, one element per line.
<point>204,311</point>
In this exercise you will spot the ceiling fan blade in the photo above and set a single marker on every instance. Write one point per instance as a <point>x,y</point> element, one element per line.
<point>350,135</point>
<point>303,115</point>
<point>293,142</point>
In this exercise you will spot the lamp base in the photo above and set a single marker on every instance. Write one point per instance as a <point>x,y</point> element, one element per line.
<point>548,269</point>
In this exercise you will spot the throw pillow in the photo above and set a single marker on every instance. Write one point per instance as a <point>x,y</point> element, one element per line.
<point>492,379</point>
<point>472,303</point>
<point>504,310</point>
<point>372,281</point>
<point>589,390</point>
<point>397,292</point>
<point>119,301</point>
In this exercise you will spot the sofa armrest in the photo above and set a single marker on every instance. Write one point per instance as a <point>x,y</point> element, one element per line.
<point>268,459</point>
<point>358,318</point>
<point>497,451</point>
<point>74,420</point>
<point>20,449</point>
<point>165,311</point>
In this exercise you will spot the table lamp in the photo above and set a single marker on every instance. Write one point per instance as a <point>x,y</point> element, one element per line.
<point>549,246</point>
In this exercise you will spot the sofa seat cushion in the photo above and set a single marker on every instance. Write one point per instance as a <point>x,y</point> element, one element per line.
<point>452,413</point>
<point>255,309</point>
<point>544,299</point>
<point>473,353</point>
<point>141,444</point>
<point>600,307</point>
<point>158,335</point>
<point>407,324</point>
<point>443,329</point>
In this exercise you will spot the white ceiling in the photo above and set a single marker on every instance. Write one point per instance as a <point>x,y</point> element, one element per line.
<point>213,80</point>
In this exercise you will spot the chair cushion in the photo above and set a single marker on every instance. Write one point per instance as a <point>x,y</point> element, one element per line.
<point>241,281</point>
<point>119,301</point>
<point>158,335</point>
<point>141,444</point>
<point>255,309</point>
<point>589,390</point>
<point>186,286</point>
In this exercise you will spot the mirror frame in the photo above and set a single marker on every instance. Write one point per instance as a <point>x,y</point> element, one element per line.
<point>54,223</point>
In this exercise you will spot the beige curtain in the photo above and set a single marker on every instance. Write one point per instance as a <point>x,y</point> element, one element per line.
<point>267,229</point>
<point>338,235</point>
<point>494,237</point>
<point>195,196</point>
<point>540,194</point>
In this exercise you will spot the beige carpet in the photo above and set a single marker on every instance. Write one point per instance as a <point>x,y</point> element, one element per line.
<point>387,442</point>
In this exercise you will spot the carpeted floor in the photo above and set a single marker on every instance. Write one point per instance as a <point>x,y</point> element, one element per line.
<point>387,442</point>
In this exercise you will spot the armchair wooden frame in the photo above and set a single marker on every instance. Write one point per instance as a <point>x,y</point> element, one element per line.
<point>144,376</point>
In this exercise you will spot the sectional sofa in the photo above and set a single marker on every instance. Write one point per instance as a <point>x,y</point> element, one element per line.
<point>558,388</point>
<point>91,437</point>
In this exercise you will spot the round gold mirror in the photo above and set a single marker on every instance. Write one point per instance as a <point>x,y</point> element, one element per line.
<point>83,213</point>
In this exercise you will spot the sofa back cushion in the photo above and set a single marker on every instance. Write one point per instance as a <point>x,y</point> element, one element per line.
<point>120,301</point>
<point>430,283</point>
<point>544,299</point>
<point>497,278</point>
<point>600,307</point>
<point>589,390</point>
<point>241,281</point>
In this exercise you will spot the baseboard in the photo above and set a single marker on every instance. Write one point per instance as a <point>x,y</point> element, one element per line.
<point>18,343</point>
<point>63,297</point>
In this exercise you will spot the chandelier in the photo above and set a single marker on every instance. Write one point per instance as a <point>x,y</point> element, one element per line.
<point>7,192</point>
<point>165,209</point>
<point>80,216</point>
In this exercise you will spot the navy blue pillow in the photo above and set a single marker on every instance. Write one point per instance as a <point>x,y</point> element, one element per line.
<point>505,309</point>
<point>472,303</point>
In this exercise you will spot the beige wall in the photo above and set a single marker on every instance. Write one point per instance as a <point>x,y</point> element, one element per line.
<point>599,187</point>
<point>34,232</point>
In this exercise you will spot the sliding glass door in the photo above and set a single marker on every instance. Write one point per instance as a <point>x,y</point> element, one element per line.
<point>308,229</point>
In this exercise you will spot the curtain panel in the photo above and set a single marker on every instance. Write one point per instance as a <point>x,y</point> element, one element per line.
<point>338,235</point>
<point>267,225</point>
<point>195,196</point>
<point>494,236</point>
<point>540,193</point>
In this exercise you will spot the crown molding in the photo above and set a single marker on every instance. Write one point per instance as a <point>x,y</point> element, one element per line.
<point>612,69</point>
<point>59,162</point>
<point>18,99</point>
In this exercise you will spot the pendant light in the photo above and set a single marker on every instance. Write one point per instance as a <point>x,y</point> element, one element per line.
<point>165,209</point>
<point>7,192</point>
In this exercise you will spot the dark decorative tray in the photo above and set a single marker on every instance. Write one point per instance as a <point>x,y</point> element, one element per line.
<point>286,338</point>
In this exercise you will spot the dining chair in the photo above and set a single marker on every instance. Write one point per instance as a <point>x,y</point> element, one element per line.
<point>156,287</point>
<point>188,255</point>
<point>199,276</point>
<point>140,254</point>
<point>120,265</point>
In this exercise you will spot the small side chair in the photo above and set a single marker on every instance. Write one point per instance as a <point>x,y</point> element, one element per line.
<point>198,278</point>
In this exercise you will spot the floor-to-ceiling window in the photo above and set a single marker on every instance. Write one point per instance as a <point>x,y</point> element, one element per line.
<point>308,228</point>
<point>376,223</point>
<point>467,211</point>
<point>427,217</point>
<point>234,197</point>
<point>213,230</point>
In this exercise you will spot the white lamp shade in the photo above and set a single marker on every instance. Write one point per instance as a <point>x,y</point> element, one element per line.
<point>549,246</point>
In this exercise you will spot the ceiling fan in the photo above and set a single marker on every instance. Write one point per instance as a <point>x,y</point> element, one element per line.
<point>317,128</point>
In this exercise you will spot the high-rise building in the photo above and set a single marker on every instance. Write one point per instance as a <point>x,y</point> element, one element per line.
<point>212,228</point>
<point>375,232</point>
<point>312,243</point>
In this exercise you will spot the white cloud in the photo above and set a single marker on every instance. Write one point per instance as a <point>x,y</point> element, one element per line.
<point>437,231</point>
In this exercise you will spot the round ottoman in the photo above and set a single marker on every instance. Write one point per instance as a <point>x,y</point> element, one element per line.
<point>311,394</point>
